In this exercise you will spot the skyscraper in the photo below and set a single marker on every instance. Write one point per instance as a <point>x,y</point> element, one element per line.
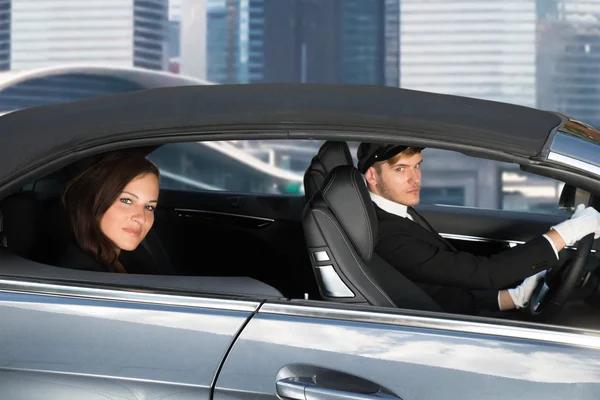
<point>331,41</point>
<point>174,31</point>
<point>314,41</point>
<point>193,30</point>
<point>113,32</point>
<point>568,63</point>
<point>217,44</point>
<point>392,43</point>
<point>150,34</point>
<point>476,48</point>
<point>5,37</point>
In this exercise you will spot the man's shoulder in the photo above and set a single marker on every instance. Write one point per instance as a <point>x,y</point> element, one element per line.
<point>389,220</point>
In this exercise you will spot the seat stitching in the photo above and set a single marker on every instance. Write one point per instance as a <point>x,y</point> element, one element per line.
<point>364,208</point>
<point>353,256</point>
<point>314,171</point>
<point>318,173</point>
<point>341,150</point>
<point>344,155</point>
<point>329,184</point>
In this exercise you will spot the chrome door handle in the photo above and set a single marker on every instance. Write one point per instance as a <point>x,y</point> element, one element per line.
<point>305,389</point>
<point>292,388</point>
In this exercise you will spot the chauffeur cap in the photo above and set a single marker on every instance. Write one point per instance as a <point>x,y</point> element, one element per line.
<point>370,153</point>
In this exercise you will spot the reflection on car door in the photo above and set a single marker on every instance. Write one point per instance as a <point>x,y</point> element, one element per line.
<point>303,352</point>
<point>60,342</point>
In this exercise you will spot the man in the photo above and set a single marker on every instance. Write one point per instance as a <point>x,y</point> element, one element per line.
<point>458,281</point>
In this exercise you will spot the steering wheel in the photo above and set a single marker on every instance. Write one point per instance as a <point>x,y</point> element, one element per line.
<point>557,287</point>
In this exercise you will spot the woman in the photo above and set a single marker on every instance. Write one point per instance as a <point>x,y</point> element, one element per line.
<point>111,209</point>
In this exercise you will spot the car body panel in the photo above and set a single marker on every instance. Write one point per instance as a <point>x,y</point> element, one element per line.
<point>105,345</point>
<point>412,358</point>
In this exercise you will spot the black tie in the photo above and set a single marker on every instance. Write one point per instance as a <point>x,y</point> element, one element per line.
<point>418,218</point>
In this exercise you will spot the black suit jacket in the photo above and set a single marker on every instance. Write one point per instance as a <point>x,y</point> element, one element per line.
<point>458,281</point>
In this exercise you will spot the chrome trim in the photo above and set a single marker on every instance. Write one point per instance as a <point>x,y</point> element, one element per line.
<point>292,388</point>
<point>332,284</point>
<point>582,144</point>
<point>511,243</point>
<point>317,392</point>
<point>47,373</point>
<point>184,210</point>
<point>573,162</point>
<point>540,297</point>
<point>479,239</point>
<point>537,332</point>
<point>132,295</point>
<point>321,256</point>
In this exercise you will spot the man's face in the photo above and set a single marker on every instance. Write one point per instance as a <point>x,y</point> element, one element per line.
<point>399,182</point>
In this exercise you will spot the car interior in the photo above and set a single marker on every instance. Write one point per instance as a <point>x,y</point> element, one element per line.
<point>318,246</point>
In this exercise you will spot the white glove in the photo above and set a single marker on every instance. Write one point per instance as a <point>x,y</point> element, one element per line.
<point>583,222</point>
<point>522,293</point>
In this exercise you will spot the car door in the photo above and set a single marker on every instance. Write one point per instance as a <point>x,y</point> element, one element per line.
<point>228,233</point>
<point>309,350</point>
<point>218,216</point>
<point>75,342</point>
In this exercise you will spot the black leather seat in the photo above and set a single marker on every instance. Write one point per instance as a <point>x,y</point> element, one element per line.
<point>20,217</point>
<point>330,155</point>
<point>340,227</point>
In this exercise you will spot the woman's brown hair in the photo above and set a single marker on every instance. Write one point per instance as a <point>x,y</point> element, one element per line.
<point>91,193</point>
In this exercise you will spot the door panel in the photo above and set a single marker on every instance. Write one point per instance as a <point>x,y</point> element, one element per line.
<point>496,224</point>
<point>234,234</point>
<point>65,347</point>
<point>484,232</point>
<point>341,359</point>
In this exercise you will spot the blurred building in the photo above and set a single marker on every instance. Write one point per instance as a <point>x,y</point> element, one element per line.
<point>219,63</point>
<point>314,41</point>
<point>476,48</point>
<point>192,34</point>
<point>174,42</point>
<point>568,66</point>
<point>480,49</point>
<point>125,33</point>
<point>5,37</point>
<point>53,85</point>
<point>174,37</point>
<point>392,43</point>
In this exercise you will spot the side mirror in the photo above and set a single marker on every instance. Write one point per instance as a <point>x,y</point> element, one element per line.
<point>567,198</point>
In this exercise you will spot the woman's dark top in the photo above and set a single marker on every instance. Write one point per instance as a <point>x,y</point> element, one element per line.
<point>135,262</point>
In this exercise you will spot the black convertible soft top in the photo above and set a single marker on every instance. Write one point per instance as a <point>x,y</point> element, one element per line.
<point>31,137</point>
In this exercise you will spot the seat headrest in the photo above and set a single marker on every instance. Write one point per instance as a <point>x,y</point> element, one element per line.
<point>20,220</point>
<point>330,155</point>
<point>347,196</point>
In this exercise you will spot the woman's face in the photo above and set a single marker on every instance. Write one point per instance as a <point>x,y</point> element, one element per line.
<point>130,217</point>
